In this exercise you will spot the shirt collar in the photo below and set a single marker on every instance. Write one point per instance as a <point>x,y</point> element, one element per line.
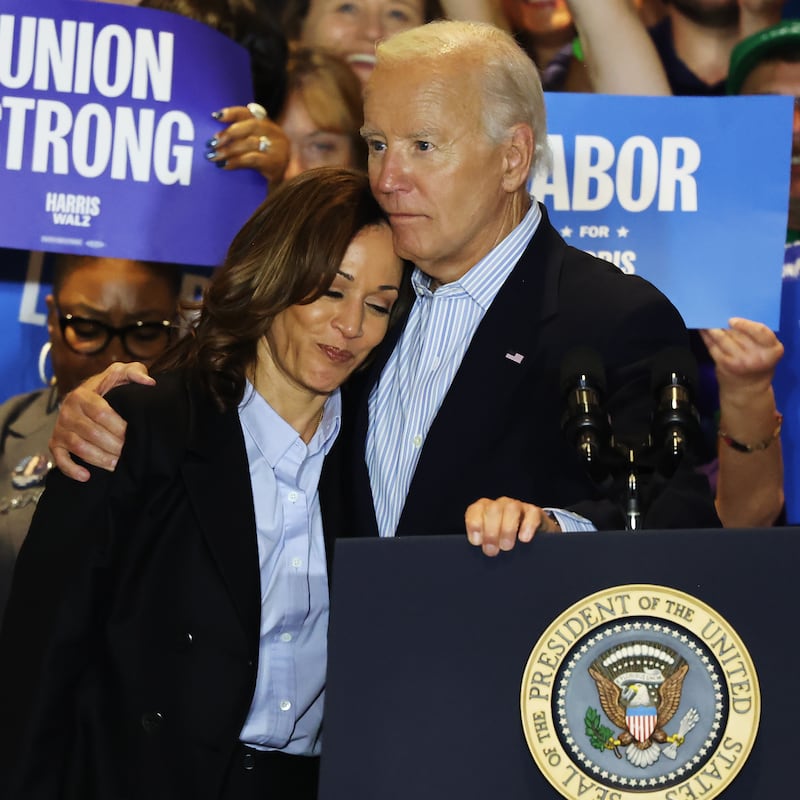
<point>274,436</point>
<point>483,281</point>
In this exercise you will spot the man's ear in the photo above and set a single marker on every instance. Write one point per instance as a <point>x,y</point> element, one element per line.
<point>518,157</point>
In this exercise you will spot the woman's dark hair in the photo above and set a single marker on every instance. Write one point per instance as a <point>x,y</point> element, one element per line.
<point>250,25</point>
<point>295,11</point>
<point>287,253</point>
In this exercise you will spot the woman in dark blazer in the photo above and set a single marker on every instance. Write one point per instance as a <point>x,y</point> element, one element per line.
<point>138,649</point>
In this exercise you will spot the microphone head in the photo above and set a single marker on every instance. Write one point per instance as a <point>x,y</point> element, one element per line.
<point>582,365</point>
<point>674,366</point>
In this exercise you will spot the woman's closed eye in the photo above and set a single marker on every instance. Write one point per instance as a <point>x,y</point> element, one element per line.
<point>379,308</point>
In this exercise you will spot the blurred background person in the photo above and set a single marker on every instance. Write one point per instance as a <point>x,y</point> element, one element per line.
<point>250,138</point>
<point>749,485</point>
<point>585,46</point>
<point>101,310</point>
<point>323,112</point>
<point>351,29</point>
<point>696,37</point>
<point>768,62</point>
<point>547,33</point>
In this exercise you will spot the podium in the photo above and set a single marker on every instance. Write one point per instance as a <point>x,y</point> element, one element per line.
<point>430,643</point>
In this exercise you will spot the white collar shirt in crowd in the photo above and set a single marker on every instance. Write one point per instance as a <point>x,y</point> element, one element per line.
<point>418,374</point>
<point>286,710</point>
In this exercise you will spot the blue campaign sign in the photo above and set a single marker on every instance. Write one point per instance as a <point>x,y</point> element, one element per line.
<point>23,285</point>
<point>688,192</point>
<point>105,111</point>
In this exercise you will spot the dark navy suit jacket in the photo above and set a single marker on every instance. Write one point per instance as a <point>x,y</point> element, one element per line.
<point>498,431</point>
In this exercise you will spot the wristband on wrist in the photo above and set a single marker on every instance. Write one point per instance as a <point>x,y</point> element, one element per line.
<point>740,447</point>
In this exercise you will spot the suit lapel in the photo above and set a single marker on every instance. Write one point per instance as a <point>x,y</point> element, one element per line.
<point>217,479</point>
<point>501,354</point>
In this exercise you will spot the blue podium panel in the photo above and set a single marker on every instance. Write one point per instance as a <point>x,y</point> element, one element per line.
<point>433,647</point>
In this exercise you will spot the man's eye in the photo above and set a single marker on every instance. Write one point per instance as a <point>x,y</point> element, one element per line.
<point>424,146</point>
<point>376,146</point>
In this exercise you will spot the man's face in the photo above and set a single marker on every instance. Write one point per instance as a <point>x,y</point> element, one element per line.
<point>432,167</point>
<point>709,13</point>
<point>782,77</point>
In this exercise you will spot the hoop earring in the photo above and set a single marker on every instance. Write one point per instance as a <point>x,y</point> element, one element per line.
<point>43,353</point>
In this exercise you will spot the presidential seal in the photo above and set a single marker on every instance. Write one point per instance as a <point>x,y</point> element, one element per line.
<point>640,691</point>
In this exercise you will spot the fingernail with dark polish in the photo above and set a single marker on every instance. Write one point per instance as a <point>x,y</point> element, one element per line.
<point>221,164</point>
<point>212,142</point>
<point>211,155</point>
<point>217,114</point>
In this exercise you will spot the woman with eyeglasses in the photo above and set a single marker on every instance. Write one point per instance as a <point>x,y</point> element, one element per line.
<point>101,310</point>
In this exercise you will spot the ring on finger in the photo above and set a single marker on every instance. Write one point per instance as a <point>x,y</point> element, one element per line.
<point>257,110</point>
<point>264,144</point>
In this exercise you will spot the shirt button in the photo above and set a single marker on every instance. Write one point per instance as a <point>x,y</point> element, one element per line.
<point>292,497</point>
<point>297,562</point>
<point>285,705</point>
<point>286,637</point>
<point>417,441</point>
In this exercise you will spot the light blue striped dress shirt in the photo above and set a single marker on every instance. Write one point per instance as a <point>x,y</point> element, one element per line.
<point>416,378</point>
<point>286,711</point>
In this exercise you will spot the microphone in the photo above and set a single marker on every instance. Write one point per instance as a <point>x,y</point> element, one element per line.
<point>676,423</point>
<point>584,423</point>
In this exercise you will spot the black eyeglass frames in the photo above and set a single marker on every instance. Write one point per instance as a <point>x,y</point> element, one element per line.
<point>88,337</point>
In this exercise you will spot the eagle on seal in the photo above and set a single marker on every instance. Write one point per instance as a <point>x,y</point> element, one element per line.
<point>641,703</point>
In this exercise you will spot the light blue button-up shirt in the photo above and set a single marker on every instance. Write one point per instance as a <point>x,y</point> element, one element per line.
<point>286,711</point>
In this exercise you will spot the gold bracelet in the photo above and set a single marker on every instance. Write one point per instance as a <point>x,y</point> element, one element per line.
<point>753,448</point>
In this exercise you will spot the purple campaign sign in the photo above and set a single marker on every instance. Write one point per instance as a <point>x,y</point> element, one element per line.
<point>688,192</point>
<point>105,111</point>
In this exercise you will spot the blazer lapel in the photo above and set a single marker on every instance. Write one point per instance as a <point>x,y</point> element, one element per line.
<point>502,352</point>
<point>217,479</point>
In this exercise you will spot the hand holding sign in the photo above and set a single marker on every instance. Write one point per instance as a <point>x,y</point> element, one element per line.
<point>241,144</point>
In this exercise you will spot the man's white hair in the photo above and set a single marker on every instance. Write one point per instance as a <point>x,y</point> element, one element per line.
<point>512,90</point>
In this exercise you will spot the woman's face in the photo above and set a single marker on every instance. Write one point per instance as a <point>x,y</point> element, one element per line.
<point>315,347</point>
<point>114,292</point>
<point>309,145</point>
<point>538,17</point>
<point>350,28</point>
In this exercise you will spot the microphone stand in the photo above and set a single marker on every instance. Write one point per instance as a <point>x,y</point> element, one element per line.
<point>632,507</point>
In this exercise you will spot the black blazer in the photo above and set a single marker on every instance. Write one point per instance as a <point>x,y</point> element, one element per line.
<point>146,584</point>
<point>498,431</point>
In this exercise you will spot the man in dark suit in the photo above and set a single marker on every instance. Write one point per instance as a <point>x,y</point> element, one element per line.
<point>464,401</point>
